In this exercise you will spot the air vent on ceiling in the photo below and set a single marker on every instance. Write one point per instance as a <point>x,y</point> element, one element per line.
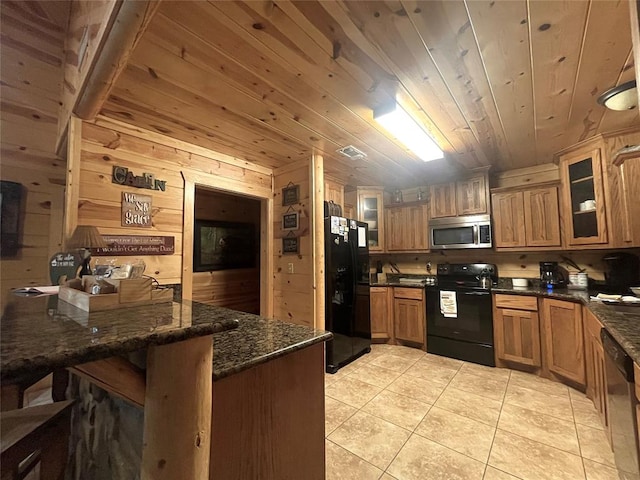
<point>352,152</point>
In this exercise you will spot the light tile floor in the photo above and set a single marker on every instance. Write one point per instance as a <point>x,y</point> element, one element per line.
<point>400,413</point>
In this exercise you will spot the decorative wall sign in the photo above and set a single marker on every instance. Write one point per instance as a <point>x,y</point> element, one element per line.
<point>124,176</point>
<point>64,265</point>
<point>291,221</point>
<point>290,245</point>
<point>129,245</point>
<point>290,194</point>
<point>136,210</point>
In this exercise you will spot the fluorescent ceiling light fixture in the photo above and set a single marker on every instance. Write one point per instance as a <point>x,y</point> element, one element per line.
<point>622,97</point>
<point>406,130</point>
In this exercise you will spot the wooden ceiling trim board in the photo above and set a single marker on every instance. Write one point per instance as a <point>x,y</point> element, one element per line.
<point>556,32</point>
<point>106,131</point>
<point>502,35</point>
<point>612,119</point>
<point>444,29</point>
<point>215,62</point>
<point>149,119</point>
<point>600,64</point>
<point>315,68</point>
<point>417,74</point>
<point>196,104</point>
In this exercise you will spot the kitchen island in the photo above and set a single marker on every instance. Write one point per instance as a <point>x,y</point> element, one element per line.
<point>267,401</point>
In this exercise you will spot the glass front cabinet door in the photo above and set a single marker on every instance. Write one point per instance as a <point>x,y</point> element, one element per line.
<point>585,221</point>
<point>371,211</point>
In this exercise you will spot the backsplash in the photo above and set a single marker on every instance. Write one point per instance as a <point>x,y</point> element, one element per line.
<point>514,265</point>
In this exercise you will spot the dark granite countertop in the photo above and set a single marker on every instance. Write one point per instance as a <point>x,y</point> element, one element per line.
<point>622,322</point>
<point>258,340</point>
<point>40,334</point>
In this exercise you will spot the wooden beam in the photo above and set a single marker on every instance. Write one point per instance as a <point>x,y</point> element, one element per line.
<point>266,257</point>
<point>74,152</point>
<point>634,10</point>
<point>177,412</point>
<point>117,376</point>
<point>188,225</point>
<point>317,235</point>
<point>131,20</point>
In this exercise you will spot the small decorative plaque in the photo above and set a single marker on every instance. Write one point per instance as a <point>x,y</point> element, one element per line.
<point>135,245</point>
<point>136,210</point>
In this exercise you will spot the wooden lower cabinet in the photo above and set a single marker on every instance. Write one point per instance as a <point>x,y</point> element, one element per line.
<point>516,330</point>
<point>563,340</point>
<point>517,336</point>
<point>594,363</point>
<point>381,314</point>
<point>409,315</point>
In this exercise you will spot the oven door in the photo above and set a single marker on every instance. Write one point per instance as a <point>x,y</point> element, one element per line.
<point>473,320</point>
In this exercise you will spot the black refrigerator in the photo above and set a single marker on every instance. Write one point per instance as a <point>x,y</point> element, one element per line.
<point>346,291</point>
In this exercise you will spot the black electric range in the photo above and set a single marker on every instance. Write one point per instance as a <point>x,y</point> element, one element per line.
<point>459,313</point>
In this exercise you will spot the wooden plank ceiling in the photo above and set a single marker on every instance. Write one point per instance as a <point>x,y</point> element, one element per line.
<point>502,83</point>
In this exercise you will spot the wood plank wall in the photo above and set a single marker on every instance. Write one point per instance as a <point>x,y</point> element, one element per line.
<point>238,289</point>
<point>293,292</point>
<point>106,143</point>
<point>31,56</point>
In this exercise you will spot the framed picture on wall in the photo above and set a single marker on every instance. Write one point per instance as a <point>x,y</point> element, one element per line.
<point>290,245</point>
<point>290,195</point>
<point>291,221</point>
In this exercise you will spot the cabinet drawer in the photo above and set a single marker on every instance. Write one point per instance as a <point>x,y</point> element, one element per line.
<point>410,293</point>
<point>636,376</point>
<point>519,302</point>
<point>378,289</point>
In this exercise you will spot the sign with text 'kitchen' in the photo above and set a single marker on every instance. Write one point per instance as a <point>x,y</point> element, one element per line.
<point>124,245</point>
<point>136,210</point>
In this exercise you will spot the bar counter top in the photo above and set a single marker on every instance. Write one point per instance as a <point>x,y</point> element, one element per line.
<point>38,335</point>
<point>258,340</point>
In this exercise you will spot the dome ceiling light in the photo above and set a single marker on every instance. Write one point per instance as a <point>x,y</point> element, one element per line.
<point>622,97</point>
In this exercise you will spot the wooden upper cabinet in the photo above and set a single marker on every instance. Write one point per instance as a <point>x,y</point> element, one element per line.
<point>334,192</point>
<point>396,226</point>
<point>582,181</point>
<point>542,217</point>
<point>406,228</point>
<point>471,196</point>
<point>526,218</point>
<point>443,200</point>
<point>564,339</point>
<point>508,219</point>
<point>371,211</point>
<point>417,220</point>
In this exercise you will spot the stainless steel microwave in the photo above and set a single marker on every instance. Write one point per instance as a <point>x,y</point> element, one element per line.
<point>460,232</point>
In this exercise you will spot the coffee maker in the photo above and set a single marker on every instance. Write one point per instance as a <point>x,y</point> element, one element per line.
<point>551,276</point>
<point>622,270</point>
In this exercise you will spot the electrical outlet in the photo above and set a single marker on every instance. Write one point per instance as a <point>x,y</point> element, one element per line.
<point>289,267</point>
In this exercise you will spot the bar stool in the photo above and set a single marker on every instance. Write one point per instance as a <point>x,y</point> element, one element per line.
<point>35,435</point>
